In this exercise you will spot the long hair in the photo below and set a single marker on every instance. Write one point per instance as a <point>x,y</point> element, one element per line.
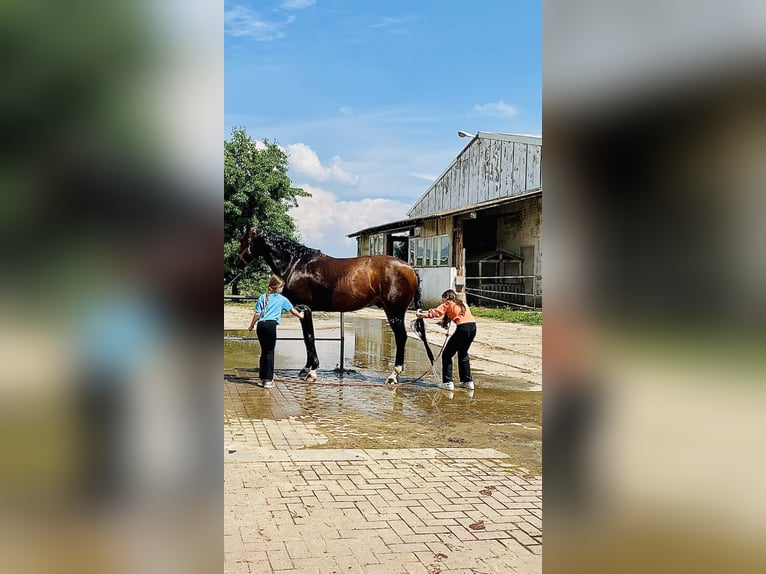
<point>274,284</point>
<point>450,295</point>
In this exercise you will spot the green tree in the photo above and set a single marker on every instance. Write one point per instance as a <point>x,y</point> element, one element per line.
<point>257,192</point>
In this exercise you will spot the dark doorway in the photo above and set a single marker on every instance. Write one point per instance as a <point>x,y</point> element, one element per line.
<point>399,244</point>
<point>480,234</point>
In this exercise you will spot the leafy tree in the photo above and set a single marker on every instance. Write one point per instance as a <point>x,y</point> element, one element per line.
<point>258,192</point>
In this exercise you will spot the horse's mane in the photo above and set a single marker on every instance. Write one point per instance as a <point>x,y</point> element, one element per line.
<point>288,245</point>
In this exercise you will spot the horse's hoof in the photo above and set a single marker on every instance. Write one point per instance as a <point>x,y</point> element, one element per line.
<point>310,377</point>
<point>393,378</point>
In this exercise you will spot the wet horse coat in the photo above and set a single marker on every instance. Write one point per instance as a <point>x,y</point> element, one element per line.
<point>324,283</point>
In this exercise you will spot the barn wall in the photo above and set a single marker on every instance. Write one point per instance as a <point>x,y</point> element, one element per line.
<point>520,225</point>
<point>437,226</point>
<point>491,167</point>
<point>519,231</point>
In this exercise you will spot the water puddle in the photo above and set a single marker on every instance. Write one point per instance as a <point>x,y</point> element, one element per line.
<point>356,409</point>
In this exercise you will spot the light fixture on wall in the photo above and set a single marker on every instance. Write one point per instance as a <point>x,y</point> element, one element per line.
<point>463,134</point>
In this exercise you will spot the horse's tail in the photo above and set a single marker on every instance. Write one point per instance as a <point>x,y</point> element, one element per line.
<point>419,325</point>
<point>418,300</point>
<point>420,329</point>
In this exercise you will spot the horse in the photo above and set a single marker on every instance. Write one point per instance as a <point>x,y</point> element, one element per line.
<point>323,283</point>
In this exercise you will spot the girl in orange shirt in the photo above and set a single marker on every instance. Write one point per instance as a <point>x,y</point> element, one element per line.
<point>455,310</point>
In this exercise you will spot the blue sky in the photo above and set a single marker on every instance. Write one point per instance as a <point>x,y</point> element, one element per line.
<point>366,97</point>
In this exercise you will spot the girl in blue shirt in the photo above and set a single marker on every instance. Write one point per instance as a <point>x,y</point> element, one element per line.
<point>268,314</point>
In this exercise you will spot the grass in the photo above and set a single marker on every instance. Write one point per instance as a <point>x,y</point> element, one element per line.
<point>509,315</point>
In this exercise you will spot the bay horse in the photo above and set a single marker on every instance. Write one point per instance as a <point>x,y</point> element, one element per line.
<point>323,283</point>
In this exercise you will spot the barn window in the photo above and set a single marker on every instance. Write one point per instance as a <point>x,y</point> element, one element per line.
<point>377,245</point>
<point>444,252</point>
<point>429,252</point>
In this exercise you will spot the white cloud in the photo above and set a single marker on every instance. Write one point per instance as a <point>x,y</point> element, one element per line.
<point>388,21</point>
<point>425,176</point>
<point>305,161</point>
<point>297,4</point>
<point>346,111</point>
<point>241,21</point>
<point>324,222</point>
<point>496,109</point>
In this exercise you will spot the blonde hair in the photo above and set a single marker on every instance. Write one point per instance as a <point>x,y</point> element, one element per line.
<point>274,284</point>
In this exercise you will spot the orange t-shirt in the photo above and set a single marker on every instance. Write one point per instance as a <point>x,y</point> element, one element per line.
<point>454,311</point>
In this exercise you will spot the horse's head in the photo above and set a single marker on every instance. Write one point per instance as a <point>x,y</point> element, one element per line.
<point>248,247</point>
<point>277,251</point>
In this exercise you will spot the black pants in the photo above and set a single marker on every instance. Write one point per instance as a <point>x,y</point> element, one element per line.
<point>267,337</point>
<point>459,343</point>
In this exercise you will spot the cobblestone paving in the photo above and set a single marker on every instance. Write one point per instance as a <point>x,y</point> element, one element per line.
<point>292,506</point>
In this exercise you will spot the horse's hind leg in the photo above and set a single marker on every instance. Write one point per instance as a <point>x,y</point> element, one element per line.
<point>400,336</point>
<point>309,372</point>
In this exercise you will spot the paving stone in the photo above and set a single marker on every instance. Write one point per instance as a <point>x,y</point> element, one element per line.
<point>293,507</point>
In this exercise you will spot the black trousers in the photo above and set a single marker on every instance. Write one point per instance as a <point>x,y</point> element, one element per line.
<point>267,337</point>
<point>459,343</point>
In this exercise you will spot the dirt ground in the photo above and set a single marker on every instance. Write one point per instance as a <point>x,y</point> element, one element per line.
<point>500,349</point>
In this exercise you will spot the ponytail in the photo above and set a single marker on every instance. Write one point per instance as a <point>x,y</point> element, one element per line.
<point>450,295</point>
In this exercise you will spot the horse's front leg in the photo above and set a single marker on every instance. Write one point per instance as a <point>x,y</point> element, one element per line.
<point>309,371</point>
<point>400,336</point>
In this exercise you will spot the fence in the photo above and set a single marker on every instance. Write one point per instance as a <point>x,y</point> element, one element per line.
<point>505,290</point>
<point>342,337</point>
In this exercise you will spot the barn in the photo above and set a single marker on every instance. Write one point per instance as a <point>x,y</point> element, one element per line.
<point>477,229</point>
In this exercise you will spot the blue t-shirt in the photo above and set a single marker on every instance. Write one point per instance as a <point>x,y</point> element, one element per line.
<point>277,304</point>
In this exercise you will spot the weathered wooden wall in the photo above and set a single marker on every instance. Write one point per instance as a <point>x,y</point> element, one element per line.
<point>493,166</point>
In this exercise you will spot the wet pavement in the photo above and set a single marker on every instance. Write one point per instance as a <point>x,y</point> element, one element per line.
<point>351,475</point>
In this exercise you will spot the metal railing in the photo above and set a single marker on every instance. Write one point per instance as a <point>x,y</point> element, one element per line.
<point>506,290</point>
<point>342,337</point>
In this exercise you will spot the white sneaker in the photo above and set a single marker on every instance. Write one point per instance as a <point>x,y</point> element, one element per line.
<point>467,385</point>
<point>268,384</point>
<point>449,385</point>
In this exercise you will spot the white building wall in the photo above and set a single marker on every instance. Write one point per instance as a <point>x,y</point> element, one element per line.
<point>433,282</point>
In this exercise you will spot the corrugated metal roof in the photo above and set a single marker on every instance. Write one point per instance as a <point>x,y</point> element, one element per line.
<point>404,224</point>
<point>485,205</point>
